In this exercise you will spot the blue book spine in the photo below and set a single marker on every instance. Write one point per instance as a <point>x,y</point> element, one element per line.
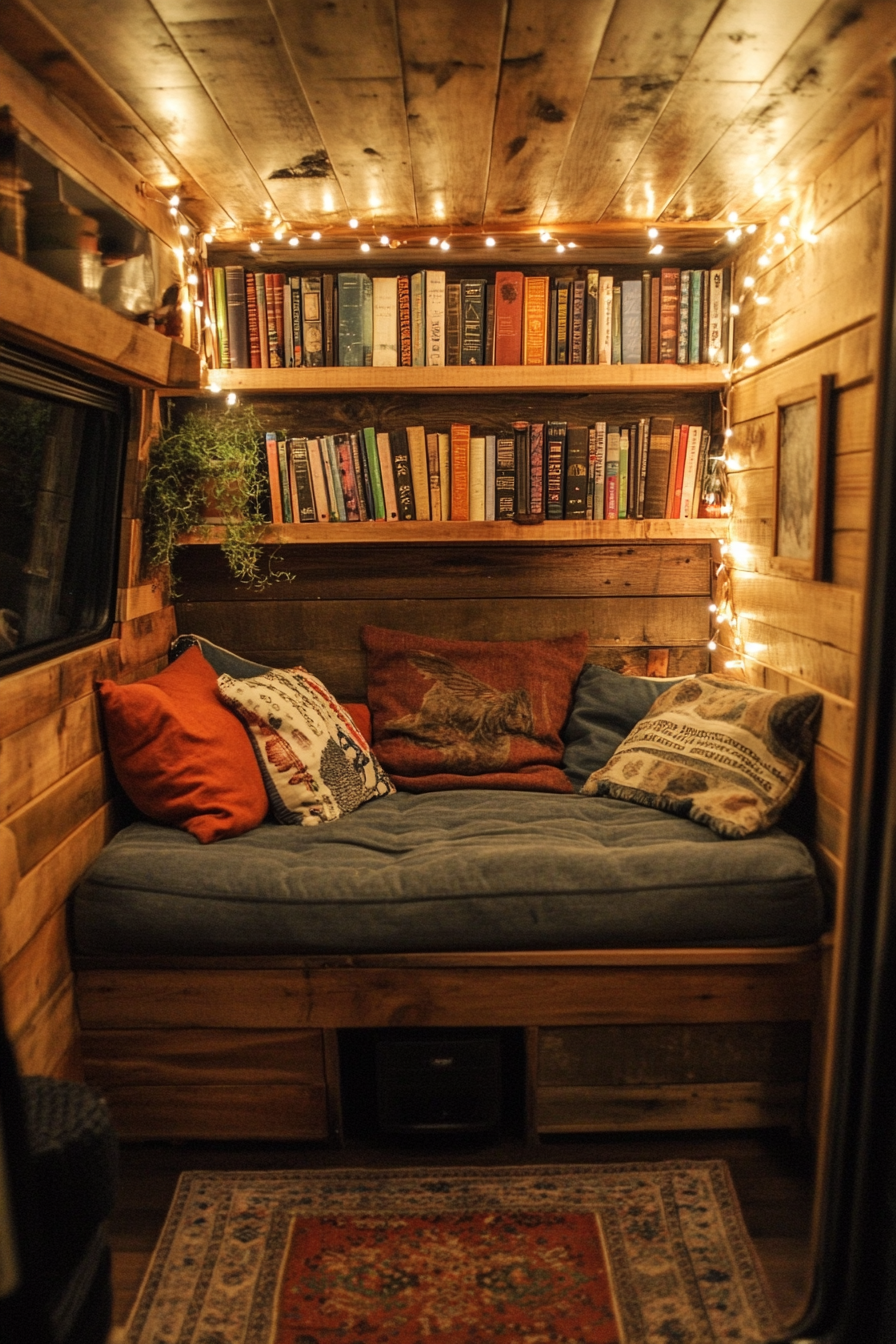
<point>631,322</point>
<point>333,479</point>
<point>351,320</point>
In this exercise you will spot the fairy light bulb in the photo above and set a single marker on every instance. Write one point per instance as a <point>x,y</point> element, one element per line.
<point>445,245</point>
<point>365,247</point>
<point>733,217</point>
<point>293,242</point>
<point>746,348</point>
<point>279,235</point>
<point>353,223</point>
<point>490,242</point>
<point>656,250</point>
<point>174,200</point>
<point>183,230</point>
<point>254,246</point>
<point>751,228</point>
<point>231,398</point>
<point>712,646</point>
<point>561,247</point>
<point>735,310</point>
<point>751,362</point>
<point>315,237</point>
<point>653,233</point>
<point>208,237</point>
<point>213,387</point>
<point>545,236</point>
<point>384,240</point>
<point>433,242</point>
<point>749,281</point>
<point>779,239</point>
<point>765,260</point>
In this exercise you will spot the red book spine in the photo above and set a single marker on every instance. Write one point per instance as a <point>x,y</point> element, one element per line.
<point>673,507</point>
<point>670,287</point>
<point>274,360</point>
<point>460,473</point>
<point>252,322</point>
<point>508,317</point>
<point>273,460</point>
<point>347,478</point>
<point>404,322</point>
<point>278,317</point>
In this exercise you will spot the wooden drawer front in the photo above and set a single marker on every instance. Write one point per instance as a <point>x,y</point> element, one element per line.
<point>680,1076</point>
<point>201,1084</point>
<point>226,1111</point>
<point>196,1055</point>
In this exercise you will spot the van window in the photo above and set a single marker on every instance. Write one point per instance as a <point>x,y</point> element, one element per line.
<point>62,439</point>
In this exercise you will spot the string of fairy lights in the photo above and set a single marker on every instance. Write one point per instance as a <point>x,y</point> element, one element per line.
<point>191,249</point>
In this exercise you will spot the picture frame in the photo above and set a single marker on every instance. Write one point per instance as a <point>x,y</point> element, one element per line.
<point>801,545</point>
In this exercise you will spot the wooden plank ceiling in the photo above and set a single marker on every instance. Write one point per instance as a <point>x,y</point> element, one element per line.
<point>586,118</point>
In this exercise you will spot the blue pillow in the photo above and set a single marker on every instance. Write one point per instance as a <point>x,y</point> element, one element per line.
<point>222,660</point>
<point>605,708</point>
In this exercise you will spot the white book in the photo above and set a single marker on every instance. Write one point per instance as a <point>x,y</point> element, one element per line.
<point>418,320</point>
<point>715,340</point>
<point>435,318</point>
<point>419,471</point>
<point>445,474</point>
<point>385,321</point>
<point>384,453</point>
<point>491,446</point>
<point>691,461</point>
<point>605,320</point>
<point>477,479</point>
<point>318,483</point>
<point>435,482</point>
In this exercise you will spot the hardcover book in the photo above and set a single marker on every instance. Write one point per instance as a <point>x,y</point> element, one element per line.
<point>346,468</point>
<point>490,472</point>
<point>387,475</point>
<point>654,319</point>
<point>401,471</point>
<point>505,478</point>
<point>522,468</point>
<point>312,326</point>
<point>460,472</point>
<point>624,446</point>
<point>334,483</point>
<point>535,319</point>
<point>416,437</point>
<point>670,280</point>
<point>555,446</point>
<point>278,284</point>
<point>435,318</point>
<point>684,316</point>
<point>237,322</point>
<point>715,345</point>
<point>631,321</point>
<point>445,475</point>
<point>605,320</point>
<point>418,320</point>
<point>351,296</point>
<point>285,491</point>
<point>435,481</point>
<point>261,310</point>
<point>676,470</point>
<point>385,321</point>
<point>405,353</point>
<point>221,317</point>
<point>452,322</point>
<point>304,487</point>
<point>600,467</point>
<point>252,322</point>
<point>489,324</point>
<point>362,481</point>
<point>322,511</point>
<point>477,478</point>
<point>472,344</point>
<point>275,349</point>
<point>374,472</point>
<point>617,323</point>
<point>508,317</point>
<point>591,306</point>
<point>646,282</point>
<point>576,472</point>
<point>294,325</point>
<point>536,469</point>
<point>274,488</point>
<point>689,474</point>
<point>562,334</point>
<point>695,336</point>
<point>577,322</point>
<point>611,497</point>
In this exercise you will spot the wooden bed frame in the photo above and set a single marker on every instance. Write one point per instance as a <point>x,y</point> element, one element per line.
<point>248,1048</point>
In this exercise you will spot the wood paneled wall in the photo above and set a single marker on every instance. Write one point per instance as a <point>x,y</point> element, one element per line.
<point>821,319</point>
<point>56,800</point>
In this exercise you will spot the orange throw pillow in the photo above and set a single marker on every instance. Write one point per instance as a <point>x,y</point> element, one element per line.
<point>360,716</point>
<point>458,714</point>
<point>180,755</point>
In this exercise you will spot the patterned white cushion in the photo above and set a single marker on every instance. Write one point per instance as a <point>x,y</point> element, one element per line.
<point>314,761</point>
<point>723,753</point>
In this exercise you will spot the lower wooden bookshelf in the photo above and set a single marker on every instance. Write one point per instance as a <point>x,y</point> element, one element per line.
<point>548,533</point>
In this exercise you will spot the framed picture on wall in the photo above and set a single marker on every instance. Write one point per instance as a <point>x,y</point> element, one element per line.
<point>802,535</point>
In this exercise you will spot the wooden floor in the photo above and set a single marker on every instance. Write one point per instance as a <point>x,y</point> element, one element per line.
<point>771,1172</point>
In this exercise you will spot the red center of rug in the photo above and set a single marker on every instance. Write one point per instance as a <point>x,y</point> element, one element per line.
<point>529,1277</point>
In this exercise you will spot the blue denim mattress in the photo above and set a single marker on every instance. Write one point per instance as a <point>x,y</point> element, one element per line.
<point>478,870</point>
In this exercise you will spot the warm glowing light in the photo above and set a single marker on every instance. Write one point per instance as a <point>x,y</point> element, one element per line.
<point>365,247</point>
<point>784,221</point>
<point>655,250</point>
<point>231,398</point>
<point>571,244</point>
<point>735,310</point>
<point>353,223</point>
<point>732,218</point>
<point>192,278</point>
<point>328,201</point>
<point>172,210</point>
<point>732,235</point>
<point>174,200</point>
<point>208,237</point>
<point>734,662</point>
<point>779,238</point>
<point>186,306</point>
<point>213,387</point>
<point>293,242</point>
<point>751,362</point>
<point>712,646</point>
<point>729,433</point>
<point>761,299</point>
<point>765,260</point>
<point>384,239</point>
<point>445,245</point>
<point>713,607</point>
<point>279,235</point>
<point>746,348</point>
<point>749,282</point>
<point>490,242</point>
<point>560,247</point>
<point>315,237</point>
<point>184,230</point>
<point>545,236</point>
<point>751,228</point>
<point>433,242</point>
<point>254,247</point>
<point>653,233</point>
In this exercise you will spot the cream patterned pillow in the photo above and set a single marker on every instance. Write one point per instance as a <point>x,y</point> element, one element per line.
<point>314,762</point>
<point>725,754</point>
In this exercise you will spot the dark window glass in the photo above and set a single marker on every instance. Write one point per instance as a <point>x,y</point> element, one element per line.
<point>61,444</point>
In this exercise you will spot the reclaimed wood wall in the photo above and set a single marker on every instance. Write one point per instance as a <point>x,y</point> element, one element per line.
<point>821,319</point>
<point>57,805</point>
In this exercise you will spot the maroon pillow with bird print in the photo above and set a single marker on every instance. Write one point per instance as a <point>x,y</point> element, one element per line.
<point>464,714</point>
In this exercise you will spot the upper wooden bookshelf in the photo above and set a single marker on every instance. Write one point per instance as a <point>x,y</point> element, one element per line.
<point>478,378</point>
<point>467,533</point>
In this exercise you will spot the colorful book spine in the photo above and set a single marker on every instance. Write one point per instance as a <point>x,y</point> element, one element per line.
<point>350,299</point>
<point>505,480</point>
<point>275,352</point>
<point>452,322</point>
<point>277,287</point>
<point>418,320</point>
<point>684,316</point>
<point>387,476</point>
<point>611,505</point>
<point>670,281</point>
<point>273,463</point>
<point>536,469</point>
<point>617,323</point>
<point>715,345</point>
<point>445,475</point>
<point>304,510</point>
<point>221,317</point>
<point>416,437</point>
<point>643,458</point>
<point>489,355</point>
<point>535,319</point>
<point>401,471</point>
<point>676,471</point>
<point>385,321</point>
<point>472,335</point>
<point>508,317</point>
<point>252,322</point>
<point>555,446</point>
<point>631,321</point>
<point>318,482</point>
<point>600,468</point>
<point>689,474</point>
<point>405,353</point>
<point>605,320</point>
<point>592,290</point>
<point>312,326</point>
<point>654,356</point>
<point>374,472</point>
<point>577,323</point>
<point>477,478</point>
<point>295,308</point>
<point>435,318</point>
<point>261,309</point>
<point>285,492</point>
<point>334,481</point>
<point>435,481</point>
<point>460,472</point>
<point>576,488</point>
<point>562,321</point>
<point>695,334</point>
<point>362,481</point>
<point>624,450</point>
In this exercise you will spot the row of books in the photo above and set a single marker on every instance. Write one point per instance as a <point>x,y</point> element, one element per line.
<point>649,468</point>
<point>259,319</point>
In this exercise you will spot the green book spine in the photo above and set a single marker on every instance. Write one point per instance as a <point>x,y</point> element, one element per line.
<point>373,467</point>
<point>696,323</point>
<point>221,316</point>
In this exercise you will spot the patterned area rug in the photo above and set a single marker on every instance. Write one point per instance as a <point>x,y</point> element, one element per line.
<point>648,1253</point>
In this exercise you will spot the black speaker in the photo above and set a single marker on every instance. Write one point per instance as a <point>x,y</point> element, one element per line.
<point>444,1084</point>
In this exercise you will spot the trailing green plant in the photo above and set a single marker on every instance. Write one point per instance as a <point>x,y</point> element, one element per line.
<point>208,464</point>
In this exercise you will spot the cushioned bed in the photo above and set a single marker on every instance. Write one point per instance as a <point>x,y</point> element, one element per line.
<point>464,871</point>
